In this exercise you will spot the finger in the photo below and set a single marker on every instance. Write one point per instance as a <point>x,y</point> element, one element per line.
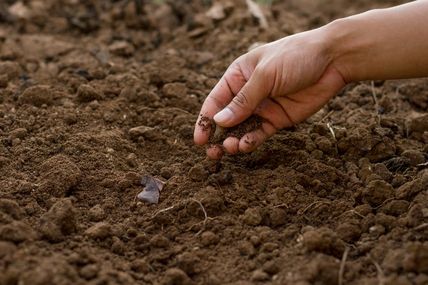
<point>250,141</point>
<point>219,97</point>
<point>231,145</point>
<point>246,100</point>
<point>215,152</point>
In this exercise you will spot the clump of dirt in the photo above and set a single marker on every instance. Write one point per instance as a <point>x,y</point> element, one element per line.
<point>253,123</point>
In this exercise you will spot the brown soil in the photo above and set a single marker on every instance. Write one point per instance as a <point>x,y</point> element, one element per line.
<point>93,96</point>
<point>220,134</point>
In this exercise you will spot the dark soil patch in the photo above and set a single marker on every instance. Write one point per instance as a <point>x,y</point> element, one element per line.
<point>220,134</point>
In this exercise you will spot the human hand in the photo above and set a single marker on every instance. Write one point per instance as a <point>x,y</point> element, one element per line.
<point>283,82</point>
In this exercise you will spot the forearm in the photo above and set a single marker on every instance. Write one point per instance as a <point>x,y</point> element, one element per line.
<point>381,44</point>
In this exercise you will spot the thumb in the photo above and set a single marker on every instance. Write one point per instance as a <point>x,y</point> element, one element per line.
<point>245,101</point>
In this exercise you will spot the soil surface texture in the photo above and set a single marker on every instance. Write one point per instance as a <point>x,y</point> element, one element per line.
<point>95,95</point>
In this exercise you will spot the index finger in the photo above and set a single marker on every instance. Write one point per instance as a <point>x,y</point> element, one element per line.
<point>221,95</point>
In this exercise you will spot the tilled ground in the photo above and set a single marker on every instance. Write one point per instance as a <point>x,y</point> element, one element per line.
<point>96,94</point>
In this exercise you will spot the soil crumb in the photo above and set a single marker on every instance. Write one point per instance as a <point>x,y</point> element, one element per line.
<point>220,134</point>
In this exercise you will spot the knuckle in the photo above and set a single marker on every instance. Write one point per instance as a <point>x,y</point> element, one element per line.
<point>263,70</point>
<point>241,99</point>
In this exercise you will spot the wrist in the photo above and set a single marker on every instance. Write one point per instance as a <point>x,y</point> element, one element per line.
<point>347,47</point>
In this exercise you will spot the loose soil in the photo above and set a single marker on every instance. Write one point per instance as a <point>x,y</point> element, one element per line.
<point>96,94</point>
<point>219,134</point>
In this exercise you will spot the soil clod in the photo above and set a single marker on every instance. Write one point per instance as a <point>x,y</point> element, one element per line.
<point>220,134</point>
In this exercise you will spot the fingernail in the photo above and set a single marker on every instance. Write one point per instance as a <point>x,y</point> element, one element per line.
<point>223,116</point>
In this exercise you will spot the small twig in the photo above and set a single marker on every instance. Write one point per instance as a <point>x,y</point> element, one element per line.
<point>380,274</point>
<point>327,116</point>
<point>204,222</point>
<point>330,128</point>
<point>422,164</point>
<point>354,212</point>
<point>281,205</point>
<point>383,203</point>
<point>202,207</point>
<point>342,265</point>
<point>163,210</point>
<point>421,226</point>
<point>358,214</point>
<point>314,203</point>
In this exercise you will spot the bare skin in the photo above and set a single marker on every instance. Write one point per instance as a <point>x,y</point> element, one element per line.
<point>288,80</point>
